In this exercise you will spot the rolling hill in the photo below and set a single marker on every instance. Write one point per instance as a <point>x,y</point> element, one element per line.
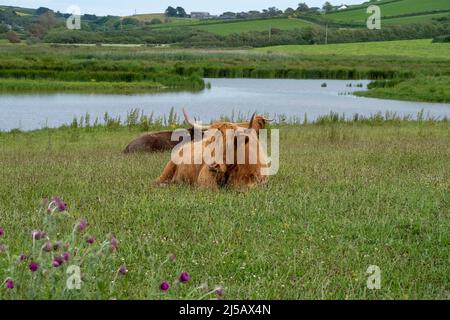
<point>394,11</point>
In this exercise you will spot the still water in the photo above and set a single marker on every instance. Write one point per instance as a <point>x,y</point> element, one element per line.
<point>244,96</point>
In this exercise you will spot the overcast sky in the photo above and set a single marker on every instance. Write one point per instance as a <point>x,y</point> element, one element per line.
<point>128,7</point>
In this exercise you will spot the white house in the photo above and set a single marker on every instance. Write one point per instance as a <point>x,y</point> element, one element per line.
<point>343,7</point>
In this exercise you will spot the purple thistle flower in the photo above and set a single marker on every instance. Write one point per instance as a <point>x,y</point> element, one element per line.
<point>220,291</point>
<point>38,235</point>
<point>9,283</point>
<point>60,204</point>
<point>2,232</point>
<point>90,239</point>
<point>47,247</point>
<point>33,266</point>
<point>57,261</point>
<point>23,257</point>
<point>184,277</point>
<point>164,286</point>
<point>114,243</point>
<point>66,256</point>
<point>81,225</point>
<point>123,270</point>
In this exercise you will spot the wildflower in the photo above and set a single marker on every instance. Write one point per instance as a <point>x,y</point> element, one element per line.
<point>33,266</point>
<point>9,283</point>
<point>220,291</point>
<point>47,247</point>
<point>114,243</point>
<point>2,232</point>
<point>81,225</point>
<point>66,256</point>
<point>90,240</point>
<point>184,277</point>
<point>23,257</point>
<point>123,270</point>
<point>38,235</point>
<point>164,286</point>
<point>60,204</point>
<point>57,261</point>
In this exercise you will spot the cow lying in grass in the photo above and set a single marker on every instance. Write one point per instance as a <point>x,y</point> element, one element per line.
<point>162,141</point>
<point>240,174</point>
<point>154,142</point>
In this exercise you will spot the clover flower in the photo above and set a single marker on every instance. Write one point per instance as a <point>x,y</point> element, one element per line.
<point>47,247</point>
<point>66,256</point>
<point>114,243</point>
<point>123,270</point>
<point>220,291</point>
<point>90,239</point>
<point>60,204</point>
<point>184,277</point>
<point>81,225</point>
<point>57,261</point>
<point>9,284</point>
<point>33,266</point>
<point>164,286</point>
<point>38,235</point>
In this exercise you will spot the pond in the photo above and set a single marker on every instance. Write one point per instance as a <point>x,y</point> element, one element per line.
<point>244,96</point>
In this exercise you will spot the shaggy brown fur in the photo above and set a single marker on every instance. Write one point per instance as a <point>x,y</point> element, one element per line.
<point>154,142</point>
<point>238,176</point>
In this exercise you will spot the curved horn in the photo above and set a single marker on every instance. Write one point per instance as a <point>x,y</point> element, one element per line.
<point>250,124</point>
<point>192,123</point>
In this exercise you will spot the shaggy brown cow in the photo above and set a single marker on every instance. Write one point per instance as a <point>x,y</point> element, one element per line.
<point>154,142</point>
<point>238,176</point>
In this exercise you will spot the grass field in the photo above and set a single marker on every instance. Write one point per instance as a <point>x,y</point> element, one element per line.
<point>390,8</point>
<point>253,25</point>
<point>407,48</point>
<point>434,89</point>
<point>370,194</point>
<point>414,19</point>
<point>19,86</point>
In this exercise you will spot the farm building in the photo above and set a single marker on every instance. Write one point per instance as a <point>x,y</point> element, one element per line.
<point>200,15</point>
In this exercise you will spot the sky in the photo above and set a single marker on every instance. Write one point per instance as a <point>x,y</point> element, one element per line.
<point>128,7</point>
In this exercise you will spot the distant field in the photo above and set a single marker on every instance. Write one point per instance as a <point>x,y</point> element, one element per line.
<point>414,19</point>
<point>407,48</point>
<point>165,20</point>
<point>254,25</point>
<point>391,9</point>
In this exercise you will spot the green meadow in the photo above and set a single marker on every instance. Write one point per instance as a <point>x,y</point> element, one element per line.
<point>390,9</point>
<point>424,49</point>
<point>376,192</point>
